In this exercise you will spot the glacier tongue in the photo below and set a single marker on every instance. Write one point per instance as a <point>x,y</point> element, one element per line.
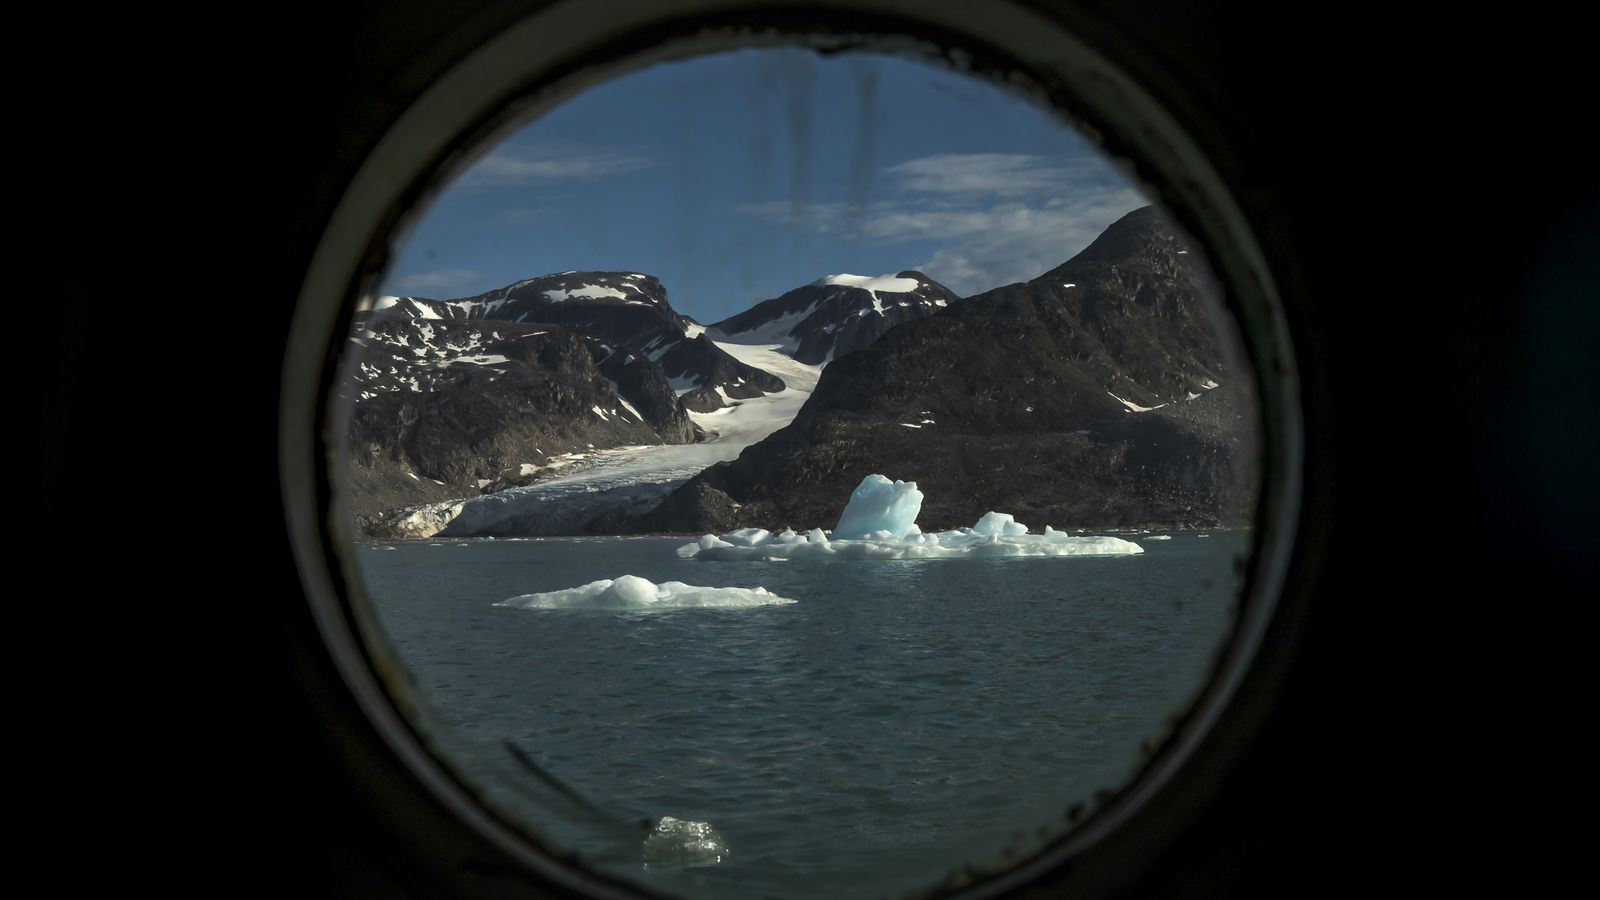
<point>879,522</point>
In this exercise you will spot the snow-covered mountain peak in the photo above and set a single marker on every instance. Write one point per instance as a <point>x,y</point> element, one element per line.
<point>610,288</point>
<point>836,314</point>
<point>891,284</point>
<point>619,309</point>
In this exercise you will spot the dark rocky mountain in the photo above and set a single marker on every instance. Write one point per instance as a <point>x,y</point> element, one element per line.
<point>1087,397</point>
<point>446,408</point>
<point>713,377</point>
<point>836,315</point>
<point>621,309</point>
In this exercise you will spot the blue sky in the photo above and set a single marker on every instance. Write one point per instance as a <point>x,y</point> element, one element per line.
<point>740,176</point>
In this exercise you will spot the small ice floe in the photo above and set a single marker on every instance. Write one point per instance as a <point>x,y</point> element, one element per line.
<point>880,522</point>
<point>630,592</point>
<point>680,842</point>
<point>1159,537</point>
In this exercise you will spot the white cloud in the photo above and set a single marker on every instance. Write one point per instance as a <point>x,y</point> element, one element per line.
<point>523,165</point>
<point>436,285</point>
<point>1012,243</point>
<point>1004,174</point>
<point>998,218</point>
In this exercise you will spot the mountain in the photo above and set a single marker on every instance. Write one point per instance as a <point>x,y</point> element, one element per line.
<point>836,315</point>
<point>622,309</point>
<point>450,407</point>
<point>1096,395</point>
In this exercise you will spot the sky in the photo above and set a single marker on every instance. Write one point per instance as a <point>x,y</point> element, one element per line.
<point>739,176</point>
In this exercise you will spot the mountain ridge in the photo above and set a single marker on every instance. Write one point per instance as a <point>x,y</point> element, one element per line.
<point>622,308</point>
<point>836,314</point>
<point>1095,395</point>
<point>1086,397</point>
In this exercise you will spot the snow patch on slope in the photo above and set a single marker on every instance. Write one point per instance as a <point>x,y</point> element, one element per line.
<point>892,284</point>
<point>587,292</point>
<point>1134,407</point>
<point>774,333</point>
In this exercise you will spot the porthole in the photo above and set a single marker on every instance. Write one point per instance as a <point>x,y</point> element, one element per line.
<point>551,808</point>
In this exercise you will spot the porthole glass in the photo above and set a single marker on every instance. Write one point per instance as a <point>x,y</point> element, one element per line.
<point>787,474</point>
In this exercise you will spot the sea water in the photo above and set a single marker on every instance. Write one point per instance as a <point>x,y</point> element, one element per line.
<point>899,719</point>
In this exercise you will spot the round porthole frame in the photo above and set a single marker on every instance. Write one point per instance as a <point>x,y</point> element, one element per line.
<point>521,71</point>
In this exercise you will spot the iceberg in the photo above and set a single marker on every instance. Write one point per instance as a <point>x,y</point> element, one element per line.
<point>879,504</point>
<point>879,522</point>
<point>999,523</point>
<point>630,592</point>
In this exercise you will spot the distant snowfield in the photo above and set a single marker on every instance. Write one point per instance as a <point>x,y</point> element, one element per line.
<point>633,477</point>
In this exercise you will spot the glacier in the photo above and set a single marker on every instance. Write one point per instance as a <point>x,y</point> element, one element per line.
<point>879,522</point>
<point>630,592</point>
<point>627,481</point>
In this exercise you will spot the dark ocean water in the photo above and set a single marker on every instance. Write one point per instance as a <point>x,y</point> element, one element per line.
<point>902,718</point>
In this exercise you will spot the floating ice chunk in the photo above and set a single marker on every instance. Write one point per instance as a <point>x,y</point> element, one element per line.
<point>1159,537</point>
<point>748,537</point>
<point>629,590</point>
<point>879,504</point>
<point>680,842</point>
<point>707,542</point>
<point>632,592</point>
<point>1000,523</point>
<point>879,522</point>
<point>927,545</point>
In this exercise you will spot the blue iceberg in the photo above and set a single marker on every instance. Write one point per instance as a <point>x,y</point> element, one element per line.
<point>880,505</point>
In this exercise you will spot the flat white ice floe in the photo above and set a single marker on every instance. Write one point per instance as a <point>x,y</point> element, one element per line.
<point>879,522</point>
<point>633,592</point>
